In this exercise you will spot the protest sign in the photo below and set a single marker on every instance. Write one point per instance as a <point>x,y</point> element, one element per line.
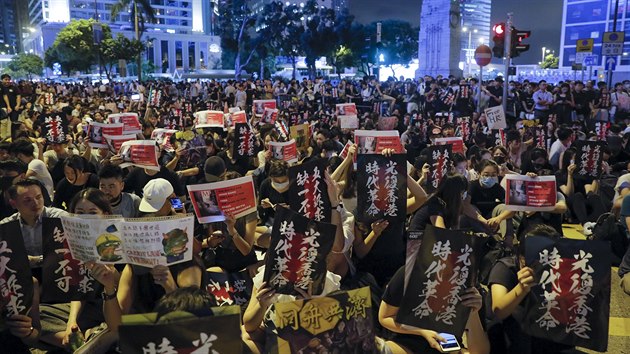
<point>495,117</point>
<point>523,193</point>
<point>209,119</point>
<point>235,117</point>
<point>570,300</point>
<point>16,282</point>
<point>244,141</point>
<point>601,130</point>
<point>346,148</point>
<point>63,278</point>
<point>589,159</point>
<point>374,142</point>
<point>269,116</point>
<point>283,131</point>
<point>163,138</point>
<point>348,122</point>
<point>115,141</point>
<point>230,288</point>
<point>381,188</point>
<point>499,137</point>
<point>218,331</point>
<point>171,122</point>
<point>54,128</point>
<point>195,148</point>
<point>142,241</point>
<point>286,151</point>
<point>297,253</point>
<point>339,323</point>
<point>155,96</point>
<point>446,265</point>
<point>440,157</point>
<point>212,201</point>
<point>129,120</point>
<point>260,105</point>
<point>456,142</point>
<point>308,194</point>
<point>539,134</point>
<point>463,128</point>
<point>387,123</point>
<point>346,110</point>
<point>96,131</point>
<point>301,134</point>
<point>140,153</point>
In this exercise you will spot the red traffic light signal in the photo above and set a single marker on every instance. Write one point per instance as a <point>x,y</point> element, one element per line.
<point>498,39</point>
<point>499,29</point>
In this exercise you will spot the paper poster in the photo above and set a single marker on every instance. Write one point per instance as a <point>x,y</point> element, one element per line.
<point>140,153</point>
<point>589,159</point>
<point>308,193</point>
<point>282,130</point>
<point>235,117</point>
<point>143,241</point>
<point>387,123</point>
<point>374,142</point>
<point>163,138</point>
<point>211,201</point>
<point>499,137</point>
<point>155,96</point>
<point>346,148</point>
<point>55,128</point>
<point>442,118</point>
<point>195,148</point>
<point>269,116</point>
<point>570,301</point>
<point>524,193</point>
<point>381,188</point>
<point>302,136</point>
<point>297,253</point>
<point>260,105</point>
<point>286,151</point>
<point>16,282</point>
<point>171,122</point>
<point>209,119</point>
<point>456,143</point>
<point>244,141</point>
<point>230,288</point>
<point>601,130</point>
<point>115,142</point>
<point>446,265</point>
<point>49,98</point>
<point>130,120</point>
<point>539,134</point>
<point>218,331</point>
<point>348,122</point>
<point>339,323</point>
<point>440,157</point>
<point>96,131</point>
<point>64,278</point>
<point>463,128</point>
<point>346,109</point>
<point>495,117</point>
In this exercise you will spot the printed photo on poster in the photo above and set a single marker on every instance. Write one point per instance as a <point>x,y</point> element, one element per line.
<point>212,201</point>
<point>569,302</point>
<point>209,119</point>
<point>301,134</point>
<point>140,153</point>
<point>374,142</point>
<point>260,105</point>
<point>346,109</point>
<point>287,265</point>
<point>269,116</point>
<point>114,142</point>
<point>286,151</point>
<point>163,138</point>
<point>96,132</point>
<point>446,265</point>
<point>129,120</point>
<point>523,193</point>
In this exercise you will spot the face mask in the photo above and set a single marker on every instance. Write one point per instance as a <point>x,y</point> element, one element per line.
<point>499,159</point>
<point>488,182</point>
<point>464,195</point>
<point>280,187</point>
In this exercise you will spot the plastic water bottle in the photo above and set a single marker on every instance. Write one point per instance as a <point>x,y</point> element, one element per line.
<point>76,340</point>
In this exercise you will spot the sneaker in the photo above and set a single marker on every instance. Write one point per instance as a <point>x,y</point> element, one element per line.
<point>98,341</point>
<point>588,228</point>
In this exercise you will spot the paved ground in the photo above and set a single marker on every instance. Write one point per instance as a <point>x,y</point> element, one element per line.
<point>619,330</point>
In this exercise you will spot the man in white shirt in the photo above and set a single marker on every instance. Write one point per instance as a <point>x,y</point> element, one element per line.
<point>565,138</point>
<point>24,150</point>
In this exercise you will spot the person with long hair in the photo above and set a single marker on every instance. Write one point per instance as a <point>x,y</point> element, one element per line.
<point>445,206</point>
<point>77,178</point>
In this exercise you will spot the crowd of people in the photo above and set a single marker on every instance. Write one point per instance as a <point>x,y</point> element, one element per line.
<point>42,178</point>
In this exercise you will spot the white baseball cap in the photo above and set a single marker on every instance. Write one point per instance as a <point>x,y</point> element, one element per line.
<point>155,193</point>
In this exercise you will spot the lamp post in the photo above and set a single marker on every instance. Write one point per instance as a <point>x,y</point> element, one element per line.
<point>543,54</point>
<point>469,48</point>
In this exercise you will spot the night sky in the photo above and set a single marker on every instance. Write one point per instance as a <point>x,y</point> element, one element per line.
<point>542,17</point>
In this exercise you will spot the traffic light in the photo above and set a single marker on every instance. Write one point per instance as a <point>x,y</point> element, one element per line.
<point>498,39</point>
<point>517,46</point>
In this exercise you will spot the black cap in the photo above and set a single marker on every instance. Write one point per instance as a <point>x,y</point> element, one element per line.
<point>214,168</point>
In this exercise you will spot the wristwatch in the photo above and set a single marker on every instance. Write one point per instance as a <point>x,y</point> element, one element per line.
<point>106,297</point>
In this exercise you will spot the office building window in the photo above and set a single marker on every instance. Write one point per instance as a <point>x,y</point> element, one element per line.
<point>164,51</point>
<point>573,33</point>
<point>179,62</point>
<point>191,55</point>
<point>586,12</point>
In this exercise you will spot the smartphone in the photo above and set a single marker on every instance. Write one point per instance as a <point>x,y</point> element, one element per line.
<point>451,344</point>
<point>177,204</point>
<point>135,97</point>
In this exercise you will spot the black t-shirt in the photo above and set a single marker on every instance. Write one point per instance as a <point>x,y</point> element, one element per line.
<point>496,91</point>
<point>486,199</point>
<point>11,92</point>
<point>137,179</point>
<point>422,217</point>
<point>241,165</point>
<point>275,197</point>
<point>65,191</point>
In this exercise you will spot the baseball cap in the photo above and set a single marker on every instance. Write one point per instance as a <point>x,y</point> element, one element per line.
<point>214,168</point>
<point>155,193</point>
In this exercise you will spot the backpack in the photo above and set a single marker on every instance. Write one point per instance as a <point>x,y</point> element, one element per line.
<point>608,228</point>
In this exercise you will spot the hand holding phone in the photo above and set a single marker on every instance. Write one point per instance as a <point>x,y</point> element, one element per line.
<point>451,344</point>
<point>177,204</point>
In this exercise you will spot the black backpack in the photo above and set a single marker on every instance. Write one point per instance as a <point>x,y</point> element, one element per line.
<point>608,228</point>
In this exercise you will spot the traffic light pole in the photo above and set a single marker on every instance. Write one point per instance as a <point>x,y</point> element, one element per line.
<point>507,54</point>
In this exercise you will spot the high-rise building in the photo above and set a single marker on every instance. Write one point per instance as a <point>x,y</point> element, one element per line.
<point>590,19</point>
<point>9,27</point>
<point>337,5</point>
<point>475,16</point>
<point>180,39</point>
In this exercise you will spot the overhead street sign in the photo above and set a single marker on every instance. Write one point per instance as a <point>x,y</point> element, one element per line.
<point>584,45</point>
<point>612,44</point>
<point>591,60</point>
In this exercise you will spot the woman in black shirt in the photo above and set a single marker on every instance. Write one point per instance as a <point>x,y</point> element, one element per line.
<point>444,207</point>
<point>76,179</point>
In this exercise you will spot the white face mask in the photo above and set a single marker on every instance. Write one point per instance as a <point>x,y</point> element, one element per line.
<point>280,187</point>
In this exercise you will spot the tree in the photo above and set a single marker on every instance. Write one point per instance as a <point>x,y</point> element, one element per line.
<point>74,47</point>
<point>320,37</point>
<point>551,62</point>
<point>238,37</point>
<point>399,42</point>
<point>119,48</point>
<point>142,11</point>
<point>28,64</point>
<point>281,30</point>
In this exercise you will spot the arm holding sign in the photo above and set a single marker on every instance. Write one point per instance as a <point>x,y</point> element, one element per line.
<point>108,276</point>
<point>27,327</point>
<point>504,300</point>
<point>245,242</point>
<point>418,195</point>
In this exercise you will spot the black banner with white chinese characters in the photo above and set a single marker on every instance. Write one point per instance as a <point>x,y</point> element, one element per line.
<point>16,282</point>
<point>439,163</point>
<point>570,301</point>
<point>230,288</point>
<point>297,254</point>
<point>180,332</point>
<point>589,159</point>
<point>446,265</point>
<point>54,128</point>
<point>308,194</point>
<point>63,278</point>
<point>381,188</point>
<point>244,141</point>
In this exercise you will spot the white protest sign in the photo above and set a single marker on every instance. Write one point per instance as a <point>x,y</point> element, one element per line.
<point>495,117</point>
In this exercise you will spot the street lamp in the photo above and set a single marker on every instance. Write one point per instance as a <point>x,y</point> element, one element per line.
<point>469,48</point>
<point>543,53</point>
